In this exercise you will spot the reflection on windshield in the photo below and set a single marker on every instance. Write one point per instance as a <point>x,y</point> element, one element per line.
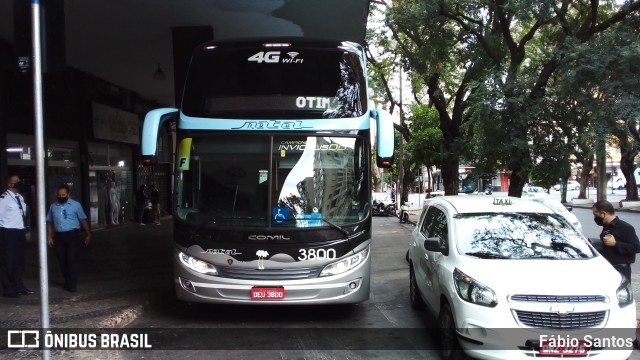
<point>285,181</point>
<point>519,236</point>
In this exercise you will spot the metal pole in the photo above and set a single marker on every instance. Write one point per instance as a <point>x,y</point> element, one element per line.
<point>40,166</point>
<point>611,162</point>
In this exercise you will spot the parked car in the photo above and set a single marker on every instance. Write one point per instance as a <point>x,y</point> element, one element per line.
<point>535,191</point>
<point>619,183</point>
<point>571,185</point>
<point>504,276</point>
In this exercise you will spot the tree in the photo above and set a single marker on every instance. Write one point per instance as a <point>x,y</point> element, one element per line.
<point>502,55</point>
<point>425,145</point>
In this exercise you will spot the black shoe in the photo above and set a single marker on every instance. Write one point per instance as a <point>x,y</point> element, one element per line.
<point>11,295</point>
<point>26,291</point>
<point>71,289</point>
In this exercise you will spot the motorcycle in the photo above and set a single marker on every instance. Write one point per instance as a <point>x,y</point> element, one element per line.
<point>404,214</point>
<point>488,190</point>
<point>379,208</point>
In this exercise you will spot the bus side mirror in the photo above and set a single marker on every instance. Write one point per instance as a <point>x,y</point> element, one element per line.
<point>384,138</point>
<point>153,121</point>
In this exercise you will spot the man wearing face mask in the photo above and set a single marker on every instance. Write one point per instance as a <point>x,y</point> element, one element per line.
<point>619,240</point>
<point>12,240</point>
<point>63,233</point>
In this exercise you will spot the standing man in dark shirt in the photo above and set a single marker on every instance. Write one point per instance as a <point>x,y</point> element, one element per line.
<point>12,240</point>
<point>619,240</point>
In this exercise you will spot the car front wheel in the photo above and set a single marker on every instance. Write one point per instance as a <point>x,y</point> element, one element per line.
<point>450,348</point>
<point>414,294</point>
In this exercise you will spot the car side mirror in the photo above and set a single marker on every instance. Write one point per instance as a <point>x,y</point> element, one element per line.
<point>434,244</point>
<point>596,242</point>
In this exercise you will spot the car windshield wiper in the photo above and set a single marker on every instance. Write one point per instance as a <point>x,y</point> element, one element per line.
<point>562,246</point>
<point>487,255</point>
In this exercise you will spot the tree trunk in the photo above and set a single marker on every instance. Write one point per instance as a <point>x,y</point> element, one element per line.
<point>627,164</point>
<point>587,166</point>
<point>450,174</point>
<point>520,160</point>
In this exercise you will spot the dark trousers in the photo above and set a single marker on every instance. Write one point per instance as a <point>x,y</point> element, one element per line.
<point>140,213</point>
<point>67,246</point>
<point>12,245</point>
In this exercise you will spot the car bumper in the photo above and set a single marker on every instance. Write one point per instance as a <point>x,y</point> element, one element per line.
<point>499,335</point>
<point>348,288</point>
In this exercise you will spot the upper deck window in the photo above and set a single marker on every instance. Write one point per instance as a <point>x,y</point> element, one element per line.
<point>275,83</point>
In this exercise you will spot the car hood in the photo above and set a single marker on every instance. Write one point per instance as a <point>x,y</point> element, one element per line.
<point>553,277</point>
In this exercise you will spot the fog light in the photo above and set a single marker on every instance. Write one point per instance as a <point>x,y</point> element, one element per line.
<point>352,286</point>
<point>187,285</point>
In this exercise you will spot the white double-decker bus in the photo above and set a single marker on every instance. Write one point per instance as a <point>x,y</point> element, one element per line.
<point>273,187</point>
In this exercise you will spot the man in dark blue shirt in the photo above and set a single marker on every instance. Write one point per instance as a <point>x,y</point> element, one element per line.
<point>63,233</point>
<point>619,240</point>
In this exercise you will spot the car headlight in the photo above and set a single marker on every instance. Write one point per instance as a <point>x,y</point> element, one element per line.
<point>473,291</point>
<point>345,264</point>
<point>624,292</point>
<point>196,265</point>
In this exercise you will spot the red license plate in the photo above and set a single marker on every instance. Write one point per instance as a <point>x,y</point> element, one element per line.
<point>576,348</point>
<point>267,293</point>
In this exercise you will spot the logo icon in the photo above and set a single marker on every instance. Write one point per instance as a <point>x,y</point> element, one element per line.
<point>292,54</point>
<point>562,309</point>
<point>262,254</point>
<point>23,338</point>
<point>230,261</point>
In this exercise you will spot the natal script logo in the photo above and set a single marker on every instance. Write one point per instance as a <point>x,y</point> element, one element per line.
<point>262,254</point>
<point>221,251</point>
<point>272,125</point>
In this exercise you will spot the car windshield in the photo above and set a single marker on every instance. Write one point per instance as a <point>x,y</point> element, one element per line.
<point>519,236</point>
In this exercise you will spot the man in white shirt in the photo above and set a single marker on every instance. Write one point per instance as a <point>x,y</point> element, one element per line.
<point>12,240</point>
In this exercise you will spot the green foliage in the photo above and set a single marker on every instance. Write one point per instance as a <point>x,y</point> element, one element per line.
<point>425,144</point>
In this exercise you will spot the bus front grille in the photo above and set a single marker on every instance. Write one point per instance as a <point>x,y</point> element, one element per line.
<point>268,274</point>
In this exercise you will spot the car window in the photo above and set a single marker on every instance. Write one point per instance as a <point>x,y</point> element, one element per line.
<point>435,225</point>
<point>519,236</point>
<point>427,221</point>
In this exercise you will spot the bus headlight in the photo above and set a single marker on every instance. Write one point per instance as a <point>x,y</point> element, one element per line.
<point>196,265</point>
<point>345,264</point>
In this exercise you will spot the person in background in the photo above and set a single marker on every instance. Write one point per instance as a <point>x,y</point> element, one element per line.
<point>141,202</point>
<point>154,196</point>
<point>63,233</point>
<point>12,240</point>
<point>619,240</point>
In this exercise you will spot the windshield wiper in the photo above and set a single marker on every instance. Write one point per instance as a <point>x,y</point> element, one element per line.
<point>213,220</point>
<point>336,227</point>
<point>487,255</point>
<point>562,246</point>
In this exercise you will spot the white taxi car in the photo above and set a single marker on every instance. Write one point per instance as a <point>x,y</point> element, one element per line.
<point>509,278</point>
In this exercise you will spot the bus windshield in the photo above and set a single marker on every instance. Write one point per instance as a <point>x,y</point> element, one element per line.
<point>272,181</point>
<point>293,83</point>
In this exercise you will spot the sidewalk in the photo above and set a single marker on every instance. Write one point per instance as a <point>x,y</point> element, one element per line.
<point>113,287</point>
